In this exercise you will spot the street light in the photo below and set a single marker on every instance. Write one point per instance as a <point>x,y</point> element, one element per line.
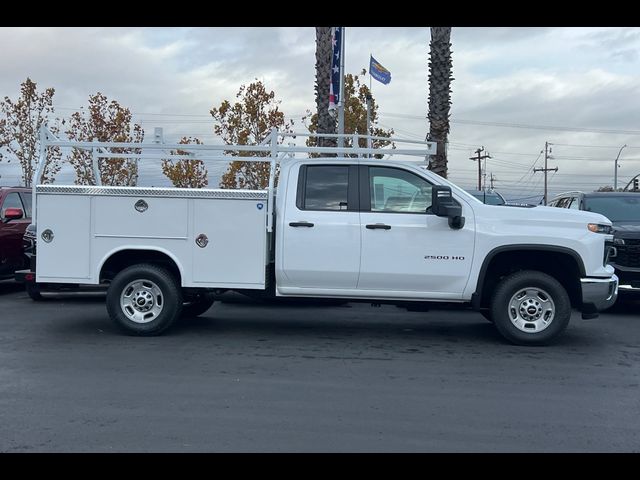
<point>615,171</point>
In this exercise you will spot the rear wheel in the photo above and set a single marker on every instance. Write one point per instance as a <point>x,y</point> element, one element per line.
<point>33,290</point>
<point>144,299</point>
<point>530,308</point>
<point>197,303</point>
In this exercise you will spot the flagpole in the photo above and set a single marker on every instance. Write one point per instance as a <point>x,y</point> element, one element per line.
<point>341,103</point>
<point>370,57</point>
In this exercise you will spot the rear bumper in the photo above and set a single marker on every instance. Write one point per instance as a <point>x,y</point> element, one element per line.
<point>598,294</point>
<point>25,276</point>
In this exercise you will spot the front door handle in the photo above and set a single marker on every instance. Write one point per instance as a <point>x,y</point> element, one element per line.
<point>301,224</point>
<point>381,226</point>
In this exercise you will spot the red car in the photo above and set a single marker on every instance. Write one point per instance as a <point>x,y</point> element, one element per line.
<point>15,216</point>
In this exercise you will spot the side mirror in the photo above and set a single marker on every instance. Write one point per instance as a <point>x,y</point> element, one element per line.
<point>13,214</point>
<point>444,205</point>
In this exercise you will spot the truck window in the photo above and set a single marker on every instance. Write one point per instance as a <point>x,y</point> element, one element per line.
<point>12,200</point>
<point>325,187</point>
<point>575,203</point>
<point>26,200</point>
<point>398,191</point>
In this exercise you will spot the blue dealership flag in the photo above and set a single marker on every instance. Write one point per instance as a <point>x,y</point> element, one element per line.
<point>378,72</point>
<point>336,70</point>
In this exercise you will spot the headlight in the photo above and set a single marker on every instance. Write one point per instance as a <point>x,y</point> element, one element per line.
<point>599,228</point>
<point>618,241</point>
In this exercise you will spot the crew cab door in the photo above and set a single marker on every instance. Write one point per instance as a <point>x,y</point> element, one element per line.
<point>404,247</point>
<point>320,228</point>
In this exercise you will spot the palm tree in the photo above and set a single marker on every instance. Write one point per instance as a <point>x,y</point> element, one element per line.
<point>439,95</point>
<point>324,50</point>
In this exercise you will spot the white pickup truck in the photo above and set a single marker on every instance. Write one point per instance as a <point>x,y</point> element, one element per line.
<point>351,227</point>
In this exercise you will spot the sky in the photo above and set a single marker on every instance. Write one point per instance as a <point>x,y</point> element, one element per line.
<point>513,90</point>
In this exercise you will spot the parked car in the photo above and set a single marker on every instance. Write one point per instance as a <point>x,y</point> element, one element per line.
<point>15,215</point>
<point>489,197</point>
<point>623,209</point>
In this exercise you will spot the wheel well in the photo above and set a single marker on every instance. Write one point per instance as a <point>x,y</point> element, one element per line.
<point>125,258</point>
<point>562,266</point>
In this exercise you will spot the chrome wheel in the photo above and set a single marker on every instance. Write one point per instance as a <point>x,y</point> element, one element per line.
<point>141,301</point>
<point>531,310</point>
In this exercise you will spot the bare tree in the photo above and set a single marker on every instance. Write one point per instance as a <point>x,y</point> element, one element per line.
<point>105,122</point>
<point>19,131</point>
<point>248,122</point>
<point>188,173</point>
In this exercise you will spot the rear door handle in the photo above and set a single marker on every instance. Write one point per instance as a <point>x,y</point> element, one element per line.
<point>381,226</point>
<point>301,224</point>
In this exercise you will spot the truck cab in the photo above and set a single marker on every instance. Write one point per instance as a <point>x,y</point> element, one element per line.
<point>354,228</point>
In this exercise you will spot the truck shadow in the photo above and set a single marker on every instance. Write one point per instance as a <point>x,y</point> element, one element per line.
<point>626,305</point>
<point>421,331</point>
<point>10,286</point>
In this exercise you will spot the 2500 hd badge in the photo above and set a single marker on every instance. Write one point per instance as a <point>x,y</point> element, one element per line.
<point>443,257</point>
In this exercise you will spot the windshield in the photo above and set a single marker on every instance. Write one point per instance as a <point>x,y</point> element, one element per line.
<point>616,209</point>
<point>457,189</point>
<point>489,198</point>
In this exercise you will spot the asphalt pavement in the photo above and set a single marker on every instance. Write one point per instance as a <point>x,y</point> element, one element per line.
<point>249,377</point>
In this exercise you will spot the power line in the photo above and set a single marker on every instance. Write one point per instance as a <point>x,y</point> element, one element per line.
<point>590,146</point>
<point>522,125</point>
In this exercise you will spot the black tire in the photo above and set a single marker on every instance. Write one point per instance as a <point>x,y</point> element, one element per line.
<point>551,298</point>
<point>148,283</point>
<point>196,304</point>
<point>33,290</point>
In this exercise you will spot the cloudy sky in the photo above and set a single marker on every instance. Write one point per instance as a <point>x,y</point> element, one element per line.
<point>514,88</point>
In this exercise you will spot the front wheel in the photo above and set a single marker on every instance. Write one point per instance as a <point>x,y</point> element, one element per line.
<point>144,299</point>
<point>530,308</point>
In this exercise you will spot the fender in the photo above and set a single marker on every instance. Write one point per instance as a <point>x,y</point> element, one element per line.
<point>476,297</point>
<point>113,252</point>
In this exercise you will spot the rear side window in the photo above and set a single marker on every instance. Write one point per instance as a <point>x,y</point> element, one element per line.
<point>12,200</point>
<point>323,187</point>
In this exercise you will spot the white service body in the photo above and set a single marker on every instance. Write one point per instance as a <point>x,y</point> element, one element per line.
<point>90,224</point>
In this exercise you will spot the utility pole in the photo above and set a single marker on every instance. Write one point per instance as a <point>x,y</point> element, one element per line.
<point>492,179</point>
<point>479,158</point>
<point>547,151</point>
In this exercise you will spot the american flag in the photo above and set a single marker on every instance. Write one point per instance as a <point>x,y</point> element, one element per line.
<point>334,89</point>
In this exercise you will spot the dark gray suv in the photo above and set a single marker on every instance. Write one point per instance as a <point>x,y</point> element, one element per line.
<point>623,209</point>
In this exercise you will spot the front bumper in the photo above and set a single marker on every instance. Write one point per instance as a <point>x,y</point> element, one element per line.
<point>598,294</point>
<point>628,278</point>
